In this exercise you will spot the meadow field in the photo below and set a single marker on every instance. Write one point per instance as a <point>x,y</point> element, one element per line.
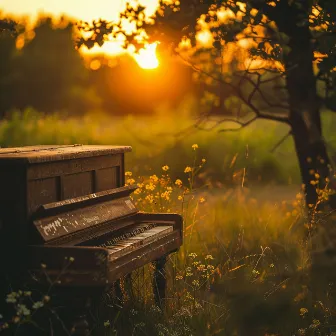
<point>244,267</point>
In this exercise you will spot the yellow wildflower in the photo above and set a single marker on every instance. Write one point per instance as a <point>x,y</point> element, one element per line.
<point>180,198</point>
<point>128,173</point>
<point>187,169</point>
<point>202,200</point>
<point>178,182</point>
<point>150,186</point>
<point>203,160</point>
<point>130,181</point>
<point>194,146</point>
<point>154,178</point>
<point>165,168</point>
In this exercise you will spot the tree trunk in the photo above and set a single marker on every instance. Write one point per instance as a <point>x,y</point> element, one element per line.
<point>305,119</point>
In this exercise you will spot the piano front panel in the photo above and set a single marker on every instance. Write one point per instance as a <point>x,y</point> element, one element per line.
<point>74,166</point>
<point>52,182</point>
<point>107,178</point>
<point>75,185</point>
<point>42,191</point>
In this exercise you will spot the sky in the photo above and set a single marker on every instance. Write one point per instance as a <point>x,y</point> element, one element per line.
<point>86,10</point>
<point>80,9</point>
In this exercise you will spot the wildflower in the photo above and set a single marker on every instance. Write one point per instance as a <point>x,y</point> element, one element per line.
<point>299,196</point>
<point>16,319</point>
<point>192,255</point>
<point>130,181</point>
<point>154,178</point>
<point>165,168</point>
<point>203,160</point>
<point>46,298</point>
<point>309,159</point>
<point>315,324</point>
<point>37,305</point>
<point>128,173</point>
<point>165,195</point>
<point>195,283</point>
<point>178,277</point>
<point>71,259</point>
<point>107,324</point>
<point>134,312</point>
<point>294,213</point>
<point>209,257</point>
<point>11,298</point>
<point>188,169</point>
<point>22,310</point>
<point>194,146</point>
<point>149,198</point>
<point>202,200</point>
<point>150,186</point>
<point>317,176</point>
<point>180,198</point>
<point>178,182</point>
<point>201,268</point>
<point>303,311</point>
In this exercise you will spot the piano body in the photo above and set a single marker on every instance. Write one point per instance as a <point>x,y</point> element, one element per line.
<point>66,208</point>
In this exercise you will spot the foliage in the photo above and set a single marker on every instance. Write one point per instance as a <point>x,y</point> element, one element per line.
<point>261,25</point>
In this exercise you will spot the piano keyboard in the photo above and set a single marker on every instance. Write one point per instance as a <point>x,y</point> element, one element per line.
<point>142,234</point>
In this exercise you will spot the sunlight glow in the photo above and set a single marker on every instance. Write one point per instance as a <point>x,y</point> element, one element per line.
<point>146,57</point>
<point>205,38</point>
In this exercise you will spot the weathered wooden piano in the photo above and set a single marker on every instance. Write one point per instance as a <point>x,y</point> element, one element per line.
<point>67,208</point>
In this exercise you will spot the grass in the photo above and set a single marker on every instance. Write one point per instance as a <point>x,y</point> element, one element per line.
<point>155,139</point>
<point>244,267</point>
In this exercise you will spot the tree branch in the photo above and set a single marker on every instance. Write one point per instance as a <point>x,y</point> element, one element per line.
<point>281,141</point>
<point>239,93</point>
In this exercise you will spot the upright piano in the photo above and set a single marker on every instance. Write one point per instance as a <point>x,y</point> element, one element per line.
<point>66,214</point>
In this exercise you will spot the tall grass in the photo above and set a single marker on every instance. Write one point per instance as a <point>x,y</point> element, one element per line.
<point>161,139</point>
<point>244,267</point>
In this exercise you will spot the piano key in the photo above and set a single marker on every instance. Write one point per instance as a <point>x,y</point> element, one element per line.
<point>144,238</point>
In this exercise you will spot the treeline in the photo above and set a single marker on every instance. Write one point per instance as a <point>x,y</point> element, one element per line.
<point>42,69</point>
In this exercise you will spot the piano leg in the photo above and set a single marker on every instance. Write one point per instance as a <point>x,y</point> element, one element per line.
<point>159,281</point>
<point>118,292</point>
<point>78,308</point>
<point>129,287</point>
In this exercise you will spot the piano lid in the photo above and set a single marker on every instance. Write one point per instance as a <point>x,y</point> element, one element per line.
<point>83,214</point>
<point>46,153</point>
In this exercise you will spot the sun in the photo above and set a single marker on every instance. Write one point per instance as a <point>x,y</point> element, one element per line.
<point>146,57</point>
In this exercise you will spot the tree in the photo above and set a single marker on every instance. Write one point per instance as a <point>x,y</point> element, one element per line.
<point>294,42</point>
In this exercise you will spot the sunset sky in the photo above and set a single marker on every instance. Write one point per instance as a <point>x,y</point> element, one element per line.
<point>79,9</point>
<point>87,11</point>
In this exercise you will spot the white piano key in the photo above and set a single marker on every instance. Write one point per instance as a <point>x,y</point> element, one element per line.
<point>125,246</point>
